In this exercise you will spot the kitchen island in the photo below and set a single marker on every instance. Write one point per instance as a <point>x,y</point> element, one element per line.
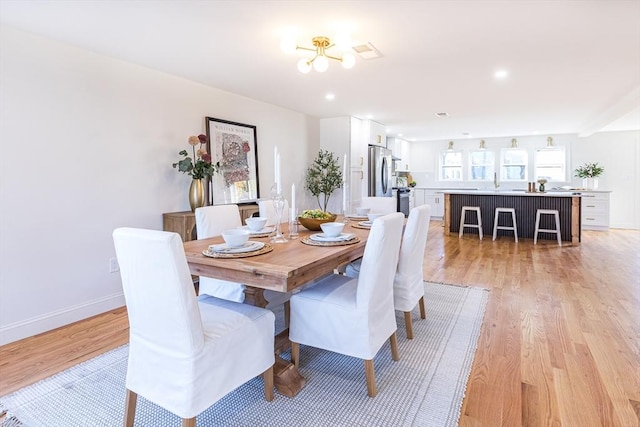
<point>568,204</point>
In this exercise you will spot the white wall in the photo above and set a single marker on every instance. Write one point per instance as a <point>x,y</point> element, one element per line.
<point>86,145</point>
<point>618,152</point>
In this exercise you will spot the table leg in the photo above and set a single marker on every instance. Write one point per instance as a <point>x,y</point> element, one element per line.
<point>286,376</point>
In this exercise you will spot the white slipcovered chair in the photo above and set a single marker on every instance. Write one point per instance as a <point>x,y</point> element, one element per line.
<point>351,316</point>
<point>267,210</point>
<point>212,221</point>
<point>185,352</point>
<point>384,205</point>
<point>408,284</point>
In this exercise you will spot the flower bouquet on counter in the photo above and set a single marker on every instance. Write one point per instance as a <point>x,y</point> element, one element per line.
<point>589,170</point>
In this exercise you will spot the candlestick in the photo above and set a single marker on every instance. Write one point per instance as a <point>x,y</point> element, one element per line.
<point>344,169</point>
<point>293,201</point>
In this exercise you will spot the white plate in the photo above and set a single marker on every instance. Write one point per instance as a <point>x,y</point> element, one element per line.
<point>263,231</point>
<point>356,217</point>
<point>365,223</point>
<point>321,237</point>
<point>249,246</point>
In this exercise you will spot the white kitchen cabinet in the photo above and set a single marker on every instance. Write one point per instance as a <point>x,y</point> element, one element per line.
<point>376,133</point>
<point>344,135</point>
<point>595,210</point>
<point>401,149</point>
<point>436,200</point>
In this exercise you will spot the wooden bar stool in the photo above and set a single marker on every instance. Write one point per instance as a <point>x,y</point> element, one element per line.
<point>497,227</point>
<point>556,214</point>
<point>464,224</point>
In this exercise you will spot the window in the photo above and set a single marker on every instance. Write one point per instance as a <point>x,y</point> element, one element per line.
<point>451,166</point>
<point>481,165</point>
<point>551,164</point>
<point>513,164</point>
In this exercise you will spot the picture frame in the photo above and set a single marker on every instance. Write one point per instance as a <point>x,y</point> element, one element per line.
<point>235,146</point>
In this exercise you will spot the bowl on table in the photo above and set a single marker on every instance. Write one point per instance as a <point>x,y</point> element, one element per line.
<point>372,216</point>
<point>313,224</point>
<point>332,229</point>
<point>256,223</point>
<point>362,211</point>
<point>236,237</point>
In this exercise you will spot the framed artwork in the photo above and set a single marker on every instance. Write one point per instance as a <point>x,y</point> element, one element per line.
<point>234,145</point>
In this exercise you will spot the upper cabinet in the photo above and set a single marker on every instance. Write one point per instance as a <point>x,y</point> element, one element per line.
<point>401,149</point>
<point>376,133</point>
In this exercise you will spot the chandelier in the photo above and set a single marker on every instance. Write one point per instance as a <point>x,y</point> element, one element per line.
<point>320,61</point>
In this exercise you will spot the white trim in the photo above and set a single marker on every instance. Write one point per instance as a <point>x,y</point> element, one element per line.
<point>36,325</point>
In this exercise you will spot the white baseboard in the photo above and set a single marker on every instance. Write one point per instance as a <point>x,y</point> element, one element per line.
<point>36,325</point>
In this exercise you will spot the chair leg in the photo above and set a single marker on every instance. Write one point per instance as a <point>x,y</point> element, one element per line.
<point>295,354</point>
<point>423,314</point>
<point>557,217</point>
<point>393,340</point>
<point>268,384</point>
<point>287,313</point>
<point>535,232</point>
<point>130,408</point>
<point>462,215</point>
<point>409,326</point>
<point>370,373</point>
<point>189,422</point>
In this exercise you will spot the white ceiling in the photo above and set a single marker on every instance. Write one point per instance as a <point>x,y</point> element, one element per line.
<point>574,66</point>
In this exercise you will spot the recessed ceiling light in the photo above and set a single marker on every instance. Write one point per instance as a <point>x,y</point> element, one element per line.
<point>442,114</point>
<point>501,74</point>
<point>400,134</point>
<point>330,97</point>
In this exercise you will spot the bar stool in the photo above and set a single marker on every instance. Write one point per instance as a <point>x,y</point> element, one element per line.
<point>464,224</point>
<point>556,214</point>
<point>497,227</point>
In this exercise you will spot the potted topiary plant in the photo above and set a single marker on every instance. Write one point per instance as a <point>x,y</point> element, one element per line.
<point>322,179</point>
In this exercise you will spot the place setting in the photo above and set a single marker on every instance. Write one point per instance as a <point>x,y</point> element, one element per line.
<point>370,217</point>
<point>237,245</point>
<point>257,227</point>
<point>331,235</point>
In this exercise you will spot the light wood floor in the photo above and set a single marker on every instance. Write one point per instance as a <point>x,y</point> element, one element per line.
<point>560,343</point>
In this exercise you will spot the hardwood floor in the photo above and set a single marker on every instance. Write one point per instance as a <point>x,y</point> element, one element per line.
<point>560,342</point>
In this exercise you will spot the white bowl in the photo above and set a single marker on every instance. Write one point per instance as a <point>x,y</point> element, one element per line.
<point>362,211</point>
<point>373,216</point>
<point>332,229</point>
<point>236,237</point>
<point>256,223</point>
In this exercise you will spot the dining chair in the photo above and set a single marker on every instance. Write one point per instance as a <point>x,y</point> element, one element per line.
<point>353,316</point>
<point>267,210</point>
<point>185,352</point>
<point>211,221</point>
<point>408,283</point>
<point>383,205</point>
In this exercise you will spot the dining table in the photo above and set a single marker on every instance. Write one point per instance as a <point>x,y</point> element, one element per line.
<point>284,267</point>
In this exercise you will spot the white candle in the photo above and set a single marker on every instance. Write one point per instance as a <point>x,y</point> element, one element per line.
<point>293,202</point>
<point>278,177</point>
<point>275,164</point>
<point>344,186</point>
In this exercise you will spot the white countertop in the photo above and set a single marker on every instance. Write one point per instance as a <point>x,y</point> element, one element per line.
<point>518,193</point>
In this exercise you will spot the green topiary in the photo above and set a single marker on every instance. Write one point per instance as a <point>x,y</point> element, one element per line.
<point>323,177</point>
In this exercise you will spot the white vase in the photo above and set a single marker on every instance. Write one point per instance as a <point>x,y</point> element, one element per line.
<point>590,183</point>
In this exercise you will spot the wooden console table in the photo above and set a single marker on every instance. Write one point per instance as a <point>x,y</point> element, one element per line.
<point>184,223</point>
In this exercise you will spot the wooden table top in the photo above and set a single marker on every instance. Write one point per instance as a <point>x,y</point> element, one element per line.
<point>289,266</point>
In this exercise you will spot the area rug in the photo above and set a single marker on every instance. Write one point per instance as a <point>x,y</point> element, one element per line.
<point>424,388</point>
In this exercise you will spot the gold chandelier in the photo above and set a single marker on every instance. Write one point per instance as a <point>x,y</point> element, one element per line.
<point>320,61</point>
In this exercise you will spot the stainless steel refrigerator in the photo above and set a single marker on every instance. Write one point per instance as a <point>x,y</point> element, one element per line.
<point>379,172</point>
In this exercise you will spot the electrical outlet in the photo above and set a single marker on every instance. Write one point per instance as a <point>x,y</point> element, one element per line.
<point>113,265</point>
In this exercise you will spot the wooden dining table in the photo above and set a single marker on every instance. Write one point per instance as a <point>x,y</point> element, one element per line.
<point>289,266</point>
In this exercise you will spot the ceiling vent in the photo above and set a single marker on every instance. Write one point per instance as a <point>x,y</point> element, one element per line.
<point>367,51</point>
<point>442,114</point>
